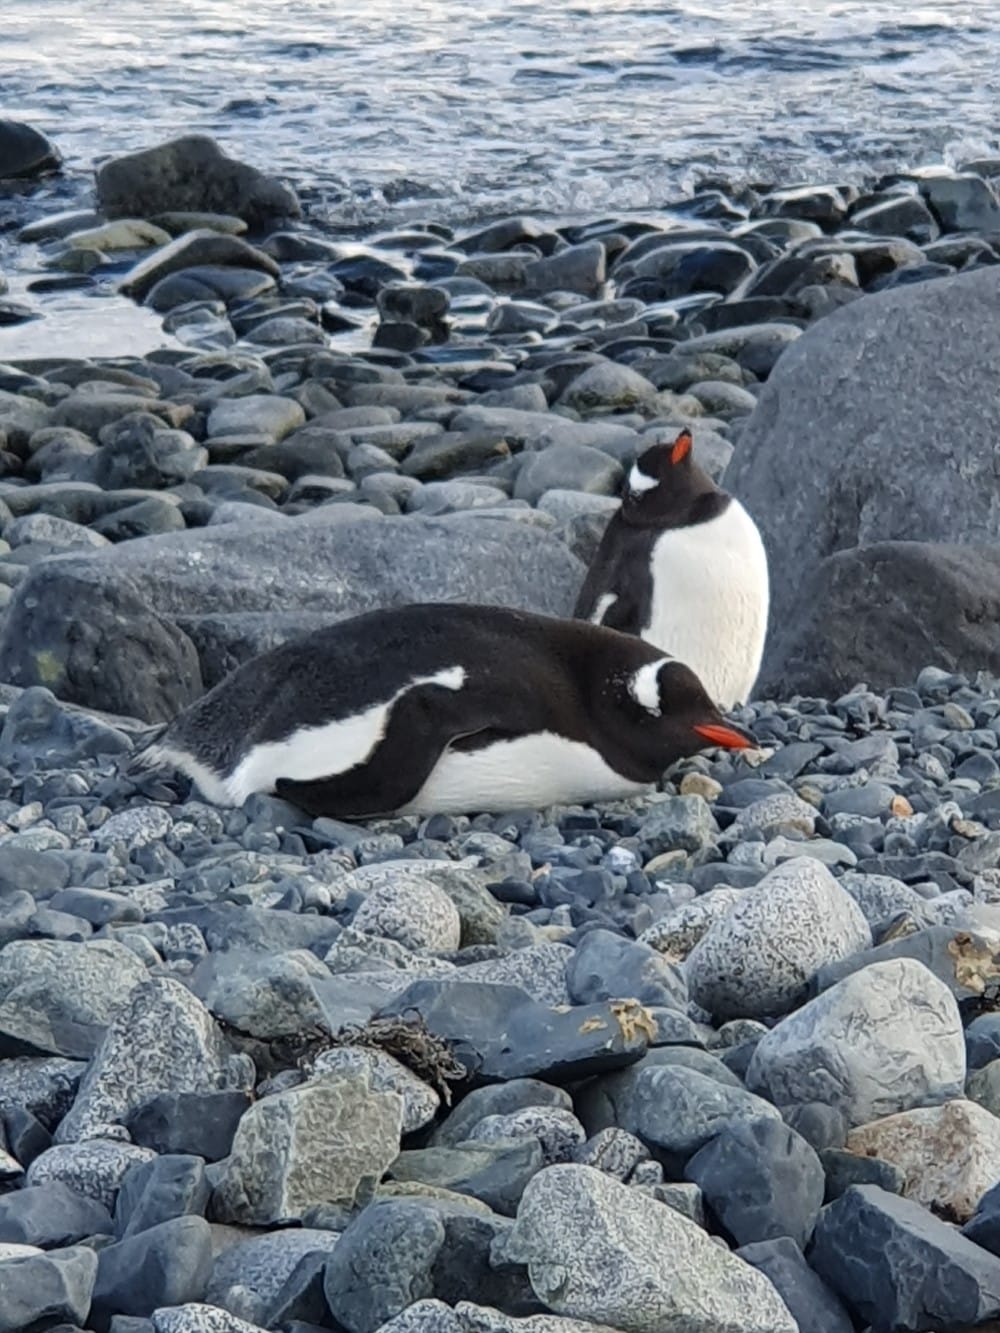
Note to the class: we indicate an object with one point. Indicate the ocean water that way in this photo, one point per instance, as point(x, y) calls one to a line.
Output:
point(457, 109)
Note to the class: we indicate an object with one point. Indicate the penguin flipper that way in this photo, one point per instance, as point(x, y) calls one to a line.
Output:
point(623, 614)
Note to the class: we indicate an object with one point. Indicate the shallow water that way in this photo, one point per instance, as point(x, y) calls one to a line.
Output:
point(462, 108)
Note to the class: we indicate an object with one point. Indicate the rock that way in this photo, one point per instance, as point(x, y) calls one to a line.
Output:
point(499, 1033)
point(955, 958)
point(578, 268)
point(950, 1154)
point(575, 466)
point(761, 1180)
point(233, 596)
point(202, 1123)
point(248, 1275)
point(59, 997)
point(315, 1144)
point(195, 249)
point(599, 1251)
point(930, 601)
point(167, 1265)
point(608, 387)
point(190, 174)
point(962, 201)
point(161, 1040)
point(208, 282)
point(25, 151)
point(484, 1319)
point(416, 913)
point(194, 1317)
point(539, 970)
point(39, 1291)
point(56, 532)
point(605, 966)
point(94, 1168)
point(51, 1216)
point(883, 1040)
point(758, 959)
point(984, 1227)
point(385, 1074)
point(496, 1099)
point(877, 465)
point(558, 1131)
point(902, 215)
point(814, 1307)
point(155, 1192)
point(677, 933)
point(125, 234)
point(868, 1245)
point(495, 1172)
point(43, 1087)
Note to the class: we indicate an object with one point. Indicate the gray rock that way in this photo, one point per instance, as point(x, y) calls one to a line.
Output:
point(867, 1246)
point(675, 935)
point(25, 152)
point(883, 1040)
point(496, 1099)
point(56, 532)
point(815, 1308)
point(190, 174)
point(758, 959)
point(168, 1264)
point(609, 387)
point(962, 201)
point(59, 997)
point(257, 413)
point(539, 970)
point(323, 1142)
point(194, 1317)
point(599, 1251)
point(494, 1172)
point(761, 1180)
point(39, 1291)
point(413, 911)
point(248, 1275)
point(385, 1074)
point(578, 268)
point(951, 955)
point(201, 1123)
point(574, 466)
point(484, 1319)
point(558, 1131)
point(157, 1191)
point(194, 249)
point(881, 897)
point(94, 1168)
point(51, 1216)
point(195, 604)
point(43, 1087)
point(781, 813)
point(606, 966)
point(614, 1151)
point(162, 1040)
point(855, 493)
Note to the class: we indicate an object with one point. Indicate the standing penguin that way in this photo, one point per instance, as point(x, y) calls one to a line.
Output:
point(444, 708)
point(682, 565)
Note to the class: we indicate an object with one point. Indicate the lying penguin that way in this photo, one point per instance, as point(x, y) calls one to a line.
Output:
point(444, 708)
point(682, 565)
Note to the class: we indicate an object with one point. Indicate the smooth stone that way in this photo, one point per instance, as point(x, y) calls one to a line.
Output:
point(494, 1172)
point(575, 466)
point(155, 1192)
point(51, 1216)
point(202, 1123)
point(25, 152)
point(39, 1291)
point(812, 1304)
point(166, 1265)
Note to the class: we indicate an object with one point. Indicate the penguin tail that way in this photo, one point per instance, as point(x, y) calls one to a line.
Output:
point(148, 757)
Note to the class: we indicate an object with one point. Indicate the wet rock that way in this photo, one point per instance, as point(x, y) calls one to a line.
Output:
point(190, 174)
point(194, 249)
point(886, 1039)
point(962, 201)
point(25, 152)
point(761, 1180)
point(900, 215)
point(318, 1143)
point(758, 960)
point(578, 268)
point(596, 1250)
point(867, 1246)
point(950, 1154)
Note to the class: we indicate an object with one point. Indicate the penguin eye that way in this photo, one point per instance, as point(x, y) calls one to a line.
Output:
point(682, 447)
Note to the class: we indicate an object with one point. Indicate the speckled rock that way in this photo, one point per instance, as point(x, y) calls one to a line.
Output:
point(162, 1040)
point(558, 1131)
point(758, 960)
point(883, 1040)
point(385, 1074)
point(599, 1251)
point(315, 1144)
point(950, 1154)
point(676, 934)
point(94, 1168)
point(414, 911)
point(248, 1275)
point(195, 1317)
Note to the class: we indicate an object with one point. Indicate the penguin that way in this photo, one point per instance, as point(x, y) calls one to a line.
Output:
point(444, 708)
point(682, 565)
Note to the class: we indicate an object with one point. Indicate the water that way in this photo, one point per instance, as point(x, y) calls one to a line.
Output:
point(457, 109)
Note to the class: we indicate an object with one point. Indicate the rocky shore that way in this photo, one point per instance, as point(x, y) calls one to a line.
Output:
point(726, 1058)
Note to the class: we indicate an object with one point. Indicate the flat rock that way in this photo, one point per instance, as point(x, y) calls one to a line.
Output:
point(169, 616)
point(51, 1216)
point(599, 1251)
point(40, 1291)
point(883, 1040)
point(758, 959)
point(190, 174)
point(193, 250)
point(869, 1244)
point(950, 1154)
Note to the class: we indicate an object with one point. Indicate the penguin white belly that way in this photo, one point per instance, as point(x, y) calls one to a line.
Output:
point(528, 772)
point(709, 602)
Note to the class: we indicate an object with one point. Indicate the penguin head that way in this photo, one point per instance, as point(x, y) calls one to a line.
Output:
point(676, 714)
point(665, 484)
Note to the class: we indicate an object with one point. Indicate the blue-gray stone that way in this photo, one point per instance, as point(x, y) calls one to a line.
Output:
point(167, 1265)
point(154, 1192)
point(813, 1305)
point(51, 1216)
point(900, 1269)
point(494, 1172)
point(762, 1180)
point(984, 1225)
point(41, 1290)
point(982, 1040)
point(496, 1099)
point(201, 1123)
point(606, 966)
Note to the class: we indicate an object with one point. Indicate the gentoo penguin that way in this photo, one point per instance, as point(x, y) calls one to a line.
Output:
point(444, 708)
point(682, 565)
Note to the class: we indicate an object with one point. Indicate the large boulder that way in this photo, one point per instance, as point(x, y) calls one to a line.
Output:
point(25, 151)
point(142, 628)
point(879, 613)
point(191, 174)
point(877, 425)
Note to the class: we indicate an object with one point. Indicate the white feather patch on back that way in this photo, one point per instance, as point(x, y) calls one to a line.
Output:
point(641, 481)
point(307, 754)
point(604, 604)
point(528, 772)
point(710, 602)
point(644, 686)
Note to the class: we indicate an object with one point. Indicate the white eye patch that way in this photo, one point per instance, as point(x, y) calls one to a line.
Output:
point(644, 686)
point(640, 481)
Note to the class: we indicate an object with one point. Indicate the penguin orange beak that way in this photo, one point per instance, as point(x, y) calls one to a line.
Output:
point(682, 447)
point(726, 737)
